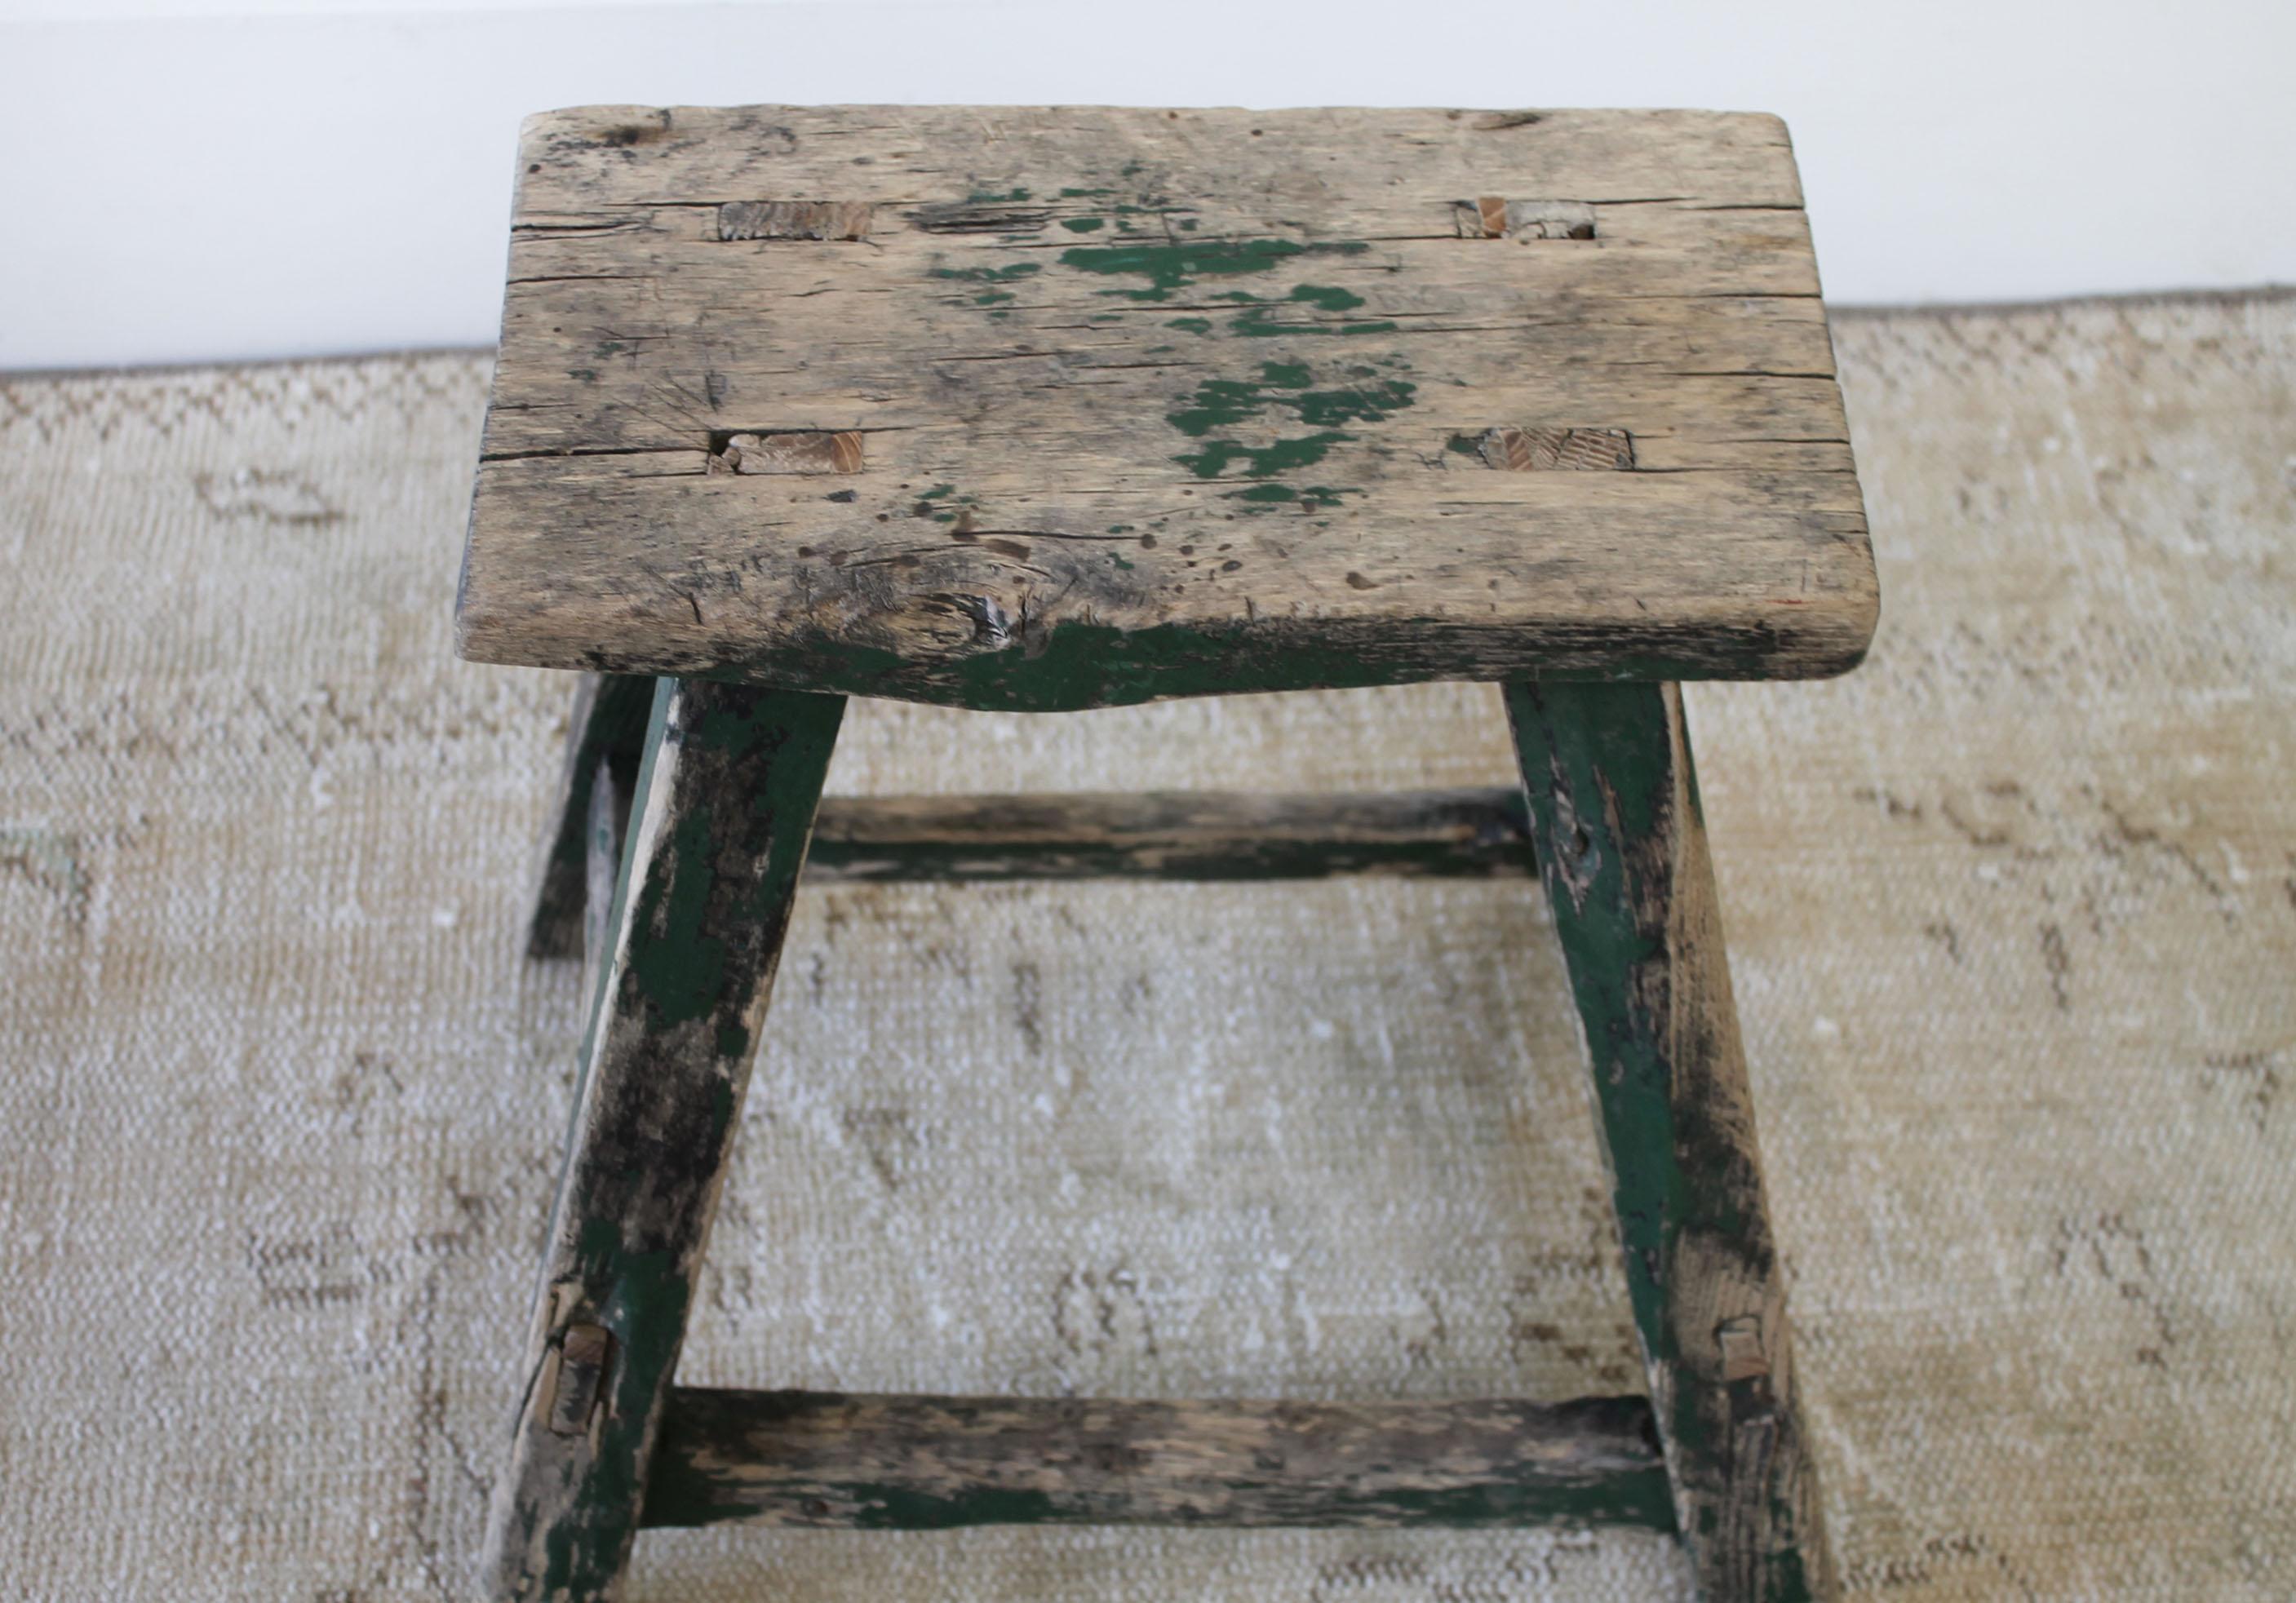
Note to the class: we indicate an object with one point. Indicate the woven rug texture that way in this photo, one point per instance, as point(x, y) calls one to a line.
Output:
point(2011, 914)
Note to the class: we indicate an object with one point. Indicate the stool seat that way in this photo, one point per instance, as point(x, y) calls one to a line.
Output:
point(1052, 408)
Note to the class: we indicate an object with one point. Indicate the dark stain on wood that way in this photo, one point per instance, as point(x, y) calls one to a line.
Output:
point(932, 1463)
point(1476, 833)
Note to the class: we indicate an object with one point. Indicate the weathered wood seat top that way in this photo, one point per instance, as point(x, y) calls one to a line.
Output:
point(1049, 408)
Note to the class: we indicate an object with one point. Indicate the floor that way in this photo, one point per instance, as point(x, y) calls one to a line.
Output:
point(2013, 918)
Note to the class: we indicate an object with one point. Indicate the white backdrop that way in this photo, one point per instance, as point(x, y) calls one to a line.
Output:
point(202, 180)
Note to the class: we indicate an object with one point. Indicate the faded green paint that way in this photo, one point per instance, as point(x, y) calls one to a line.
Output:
point(984, 197)
point(1084, 225)
point(1193, 326)
point(1328, 298)
point(1170, 266)
point(1608, 794)
point(1282, 456)
point(703, 898)
point(1600, 777)
point(1221, 405)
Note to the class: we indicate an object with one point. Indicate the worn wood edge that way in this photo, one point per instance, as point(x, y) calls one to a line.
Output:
point(1621, 840)
point(1078, 666)
point(1468, 832)
point(793, 1458)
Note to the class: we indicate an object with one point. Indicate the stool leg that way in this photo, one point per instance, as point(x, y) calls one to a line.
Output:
point(606, 729)
point(1621, 847)
point(717, 838)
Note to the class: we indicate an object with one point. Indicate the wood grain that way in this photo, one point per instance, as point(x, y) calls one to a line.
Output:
point(929, 1463)
point(1140, 404)
point(1482, 833)
point(716, 842)
point(1622, 848)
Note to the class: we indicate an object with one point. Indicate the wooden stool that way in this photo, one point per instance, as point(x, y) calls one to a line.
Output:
point(1050, 409)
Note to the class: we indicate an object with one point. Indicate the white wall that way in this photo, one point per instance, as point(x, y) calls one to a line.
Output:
point(194, 181)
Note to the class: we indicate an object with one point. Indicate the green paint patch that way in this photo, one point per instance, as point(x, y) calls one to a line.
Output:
point(1464, 444)
point(1170, 266)
point(982, 197)
point(1083, 194)
point(1265, 492)
point(1259, 461)
point(1084, 225)
point(1258, 323)
point(1221, 405)
point(1320, 408)
point(989, 298)
point(1193, 326)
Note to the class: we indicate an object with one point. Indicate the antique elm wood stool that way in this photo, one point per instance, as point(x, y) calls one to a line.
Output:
point(1049, 409)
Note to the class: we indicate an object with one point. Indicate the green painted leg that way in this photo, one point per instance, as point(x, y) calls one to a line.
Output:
point(1621, 846)
point(606, 730)
point(717, 837)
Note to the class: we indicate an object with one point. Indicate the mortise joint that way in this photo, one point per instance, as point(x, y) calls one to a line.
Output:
point(1493, 217)
point(954, 216)
point(1743, 1354)
point(794, 219)
point(1542, 450)
point(786, 451)
point(582, 1354)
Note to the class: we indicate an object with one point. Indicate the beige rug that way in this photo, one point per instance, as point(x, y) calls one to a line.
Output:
point(2012, 914)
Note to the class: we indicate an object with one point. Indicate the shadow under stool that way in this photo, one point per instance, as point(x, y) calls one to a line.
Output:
point(1047, 409)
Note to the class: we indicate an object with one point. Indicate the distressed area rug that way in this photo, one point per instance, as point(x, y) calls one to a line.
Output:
point(2012, 915)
